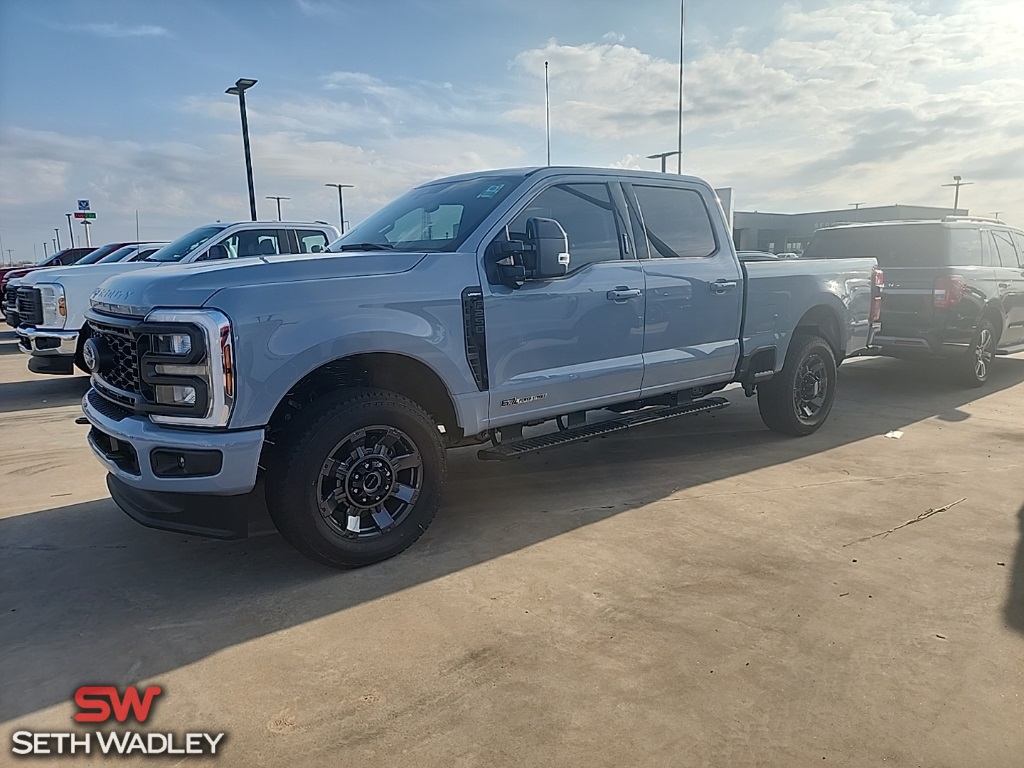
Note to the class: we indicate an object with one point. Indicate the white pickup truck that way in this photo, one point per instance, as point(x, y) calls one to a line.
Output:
point(51, 303)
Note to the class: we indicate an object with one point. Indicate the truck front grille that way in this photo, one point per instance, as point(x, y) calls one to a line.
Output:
point(123, 372)
point(29, 305)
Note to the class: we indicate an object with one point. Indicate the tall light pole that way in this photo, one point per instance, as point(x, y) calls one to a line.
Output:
point(56, 231)
point(664, 156)
point(2, 249)
point(279, 199)
point(956, 195)
point(341, 202)
point(45, 252)
point(238, 89)
point(71, 230)
point(856, 207)
point(547, 111)
point(682, 38)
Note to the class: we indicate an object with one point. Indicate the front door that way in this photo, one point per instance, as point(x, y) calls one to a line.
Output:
point(574, 342)
point(694, 288)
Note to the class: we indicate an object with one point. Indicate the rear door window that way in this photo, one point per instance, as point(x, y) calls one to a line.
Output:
point(1005, 249)
point(311, 241)
point(1018, 239)
point(676, 222)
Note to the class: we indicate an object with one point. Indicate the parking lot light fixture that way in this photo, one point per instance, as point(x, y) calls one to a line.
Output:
point(341, 202)
point(238, 89)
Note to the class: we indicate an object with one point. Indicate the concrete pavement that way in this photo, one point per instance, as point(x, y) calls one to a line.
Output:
point(677, 596)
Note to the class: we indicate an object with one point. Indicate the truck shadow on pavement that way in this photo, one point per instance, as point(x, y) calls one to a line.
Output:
point(39, 392)
point(88, 596)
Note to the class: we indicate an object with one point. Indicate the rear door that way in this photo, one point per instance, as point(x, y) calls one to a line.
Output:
point(1010, 284)
point(694, 288)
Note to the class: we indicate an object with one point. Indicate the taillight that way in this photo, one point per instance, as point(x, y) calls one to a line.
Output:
point(877, 281)
point(948, 291)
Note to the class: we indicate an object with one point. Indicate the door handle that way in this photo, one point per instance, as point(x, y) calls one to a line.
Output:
point(1004, 285)
point(722, 286)
point(622, 292)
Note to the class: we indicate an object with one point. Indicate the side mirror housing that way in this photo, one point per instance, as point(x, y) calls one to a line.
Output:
point(550, 248)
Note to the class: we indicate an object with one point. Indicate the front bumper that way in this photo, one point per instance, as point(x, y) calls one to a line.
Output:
point(47, 343)
point(124, 443)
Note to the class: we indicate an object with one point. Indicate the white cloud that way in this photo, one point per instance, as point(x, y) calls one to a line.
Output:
point(110, 29)
point(876, 100)
point(613, 37)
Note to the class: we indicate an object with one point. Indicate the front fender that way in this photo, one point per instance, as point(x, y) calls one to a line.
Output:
point(309, 324)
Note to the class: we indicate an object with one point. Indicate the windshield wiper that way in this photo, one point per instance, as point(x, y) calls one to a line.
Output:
point(364, 247)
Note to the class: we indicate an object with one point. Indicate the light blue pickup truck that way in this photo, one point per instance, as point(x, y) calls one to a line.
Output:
point(331, 385)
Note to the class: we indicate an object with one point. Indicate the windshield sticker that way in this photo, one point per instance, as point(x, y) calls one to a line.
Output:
point(491, 191)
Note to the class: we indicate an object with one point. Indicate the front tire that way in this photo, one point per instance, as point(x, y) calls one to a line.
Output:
point(798, 399)
point(356, 478)
point(976, 366)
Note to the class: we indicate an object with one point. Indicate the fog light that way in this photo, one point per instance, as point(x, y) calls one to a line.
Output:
point(169, 462)
point(175, 395)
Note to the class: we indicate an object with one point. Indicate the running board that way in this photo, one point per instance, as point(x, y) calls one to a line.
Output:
point(517, 448)
point(1010, 350)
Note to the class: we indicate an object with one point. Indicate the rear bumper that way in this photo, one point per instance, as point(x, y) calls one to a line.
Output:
point(923, 345)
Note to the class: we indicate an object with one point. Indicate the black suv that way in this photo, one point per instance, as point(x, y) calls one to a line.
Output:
point(953, 288)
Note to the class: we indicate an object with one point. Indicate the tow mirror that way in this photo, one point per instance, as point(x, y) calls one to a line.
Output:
point(550, 249)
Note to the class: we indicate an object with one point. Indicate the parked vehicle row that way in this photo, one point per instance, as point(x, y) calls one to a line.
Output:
point(459, 314)
point(48, 306)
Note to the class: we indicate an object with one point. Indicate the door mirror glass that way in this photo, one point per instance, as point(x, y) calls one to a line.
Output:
point(549, 254)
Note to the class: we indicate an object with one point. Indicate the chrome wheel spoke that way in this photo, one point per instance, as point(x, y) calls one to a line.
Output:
point(354, 523)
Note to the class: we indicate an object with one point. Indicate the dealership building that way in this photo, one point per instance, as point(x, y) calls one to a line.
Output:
point(790, 232)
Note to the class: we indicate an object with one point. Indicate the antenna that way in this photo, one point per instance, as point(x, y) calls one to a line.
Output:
point(137, 238)
point(547, 110)
point(682, 37)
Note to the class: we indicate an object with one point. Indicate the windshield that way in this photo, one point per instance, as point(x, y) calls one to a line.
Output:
point(118, 255)
point(437, 217)
point(96, 256)
point(185, 244)
point(906, 245)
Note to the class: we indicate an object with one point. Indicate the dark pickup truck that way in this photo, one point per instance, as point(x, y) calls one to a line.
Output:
point(953, 288)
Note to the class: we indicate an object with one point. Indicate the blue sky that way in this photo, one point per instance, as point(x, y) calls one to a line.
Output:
point(798, 105)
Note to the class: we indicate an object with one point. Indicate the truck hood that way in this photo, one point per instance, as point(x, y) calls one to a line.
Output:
point(192, 285)
point(93, 273)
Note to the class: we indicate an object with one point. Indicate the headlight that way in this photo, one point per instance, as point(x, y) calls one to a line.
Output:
point(55, 312)
point(201, 382)
point(172, 344)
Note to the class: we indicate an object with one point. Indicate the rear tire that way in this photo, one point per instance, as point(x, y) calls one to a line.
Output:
point(975, 367)
point(798, 399)
point(356, 478)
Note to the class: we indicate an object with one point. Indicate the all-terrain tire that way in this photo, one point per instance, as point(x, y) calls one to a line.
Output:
point(798, 399)
point(345, 452)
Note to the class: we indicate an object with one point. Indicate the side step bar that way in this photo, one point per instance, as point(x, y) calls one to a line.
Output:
point(517, 448)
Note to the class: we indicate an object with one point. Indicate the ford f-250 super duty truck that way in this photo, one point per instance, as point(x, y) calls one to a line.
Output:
point(465, 310)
